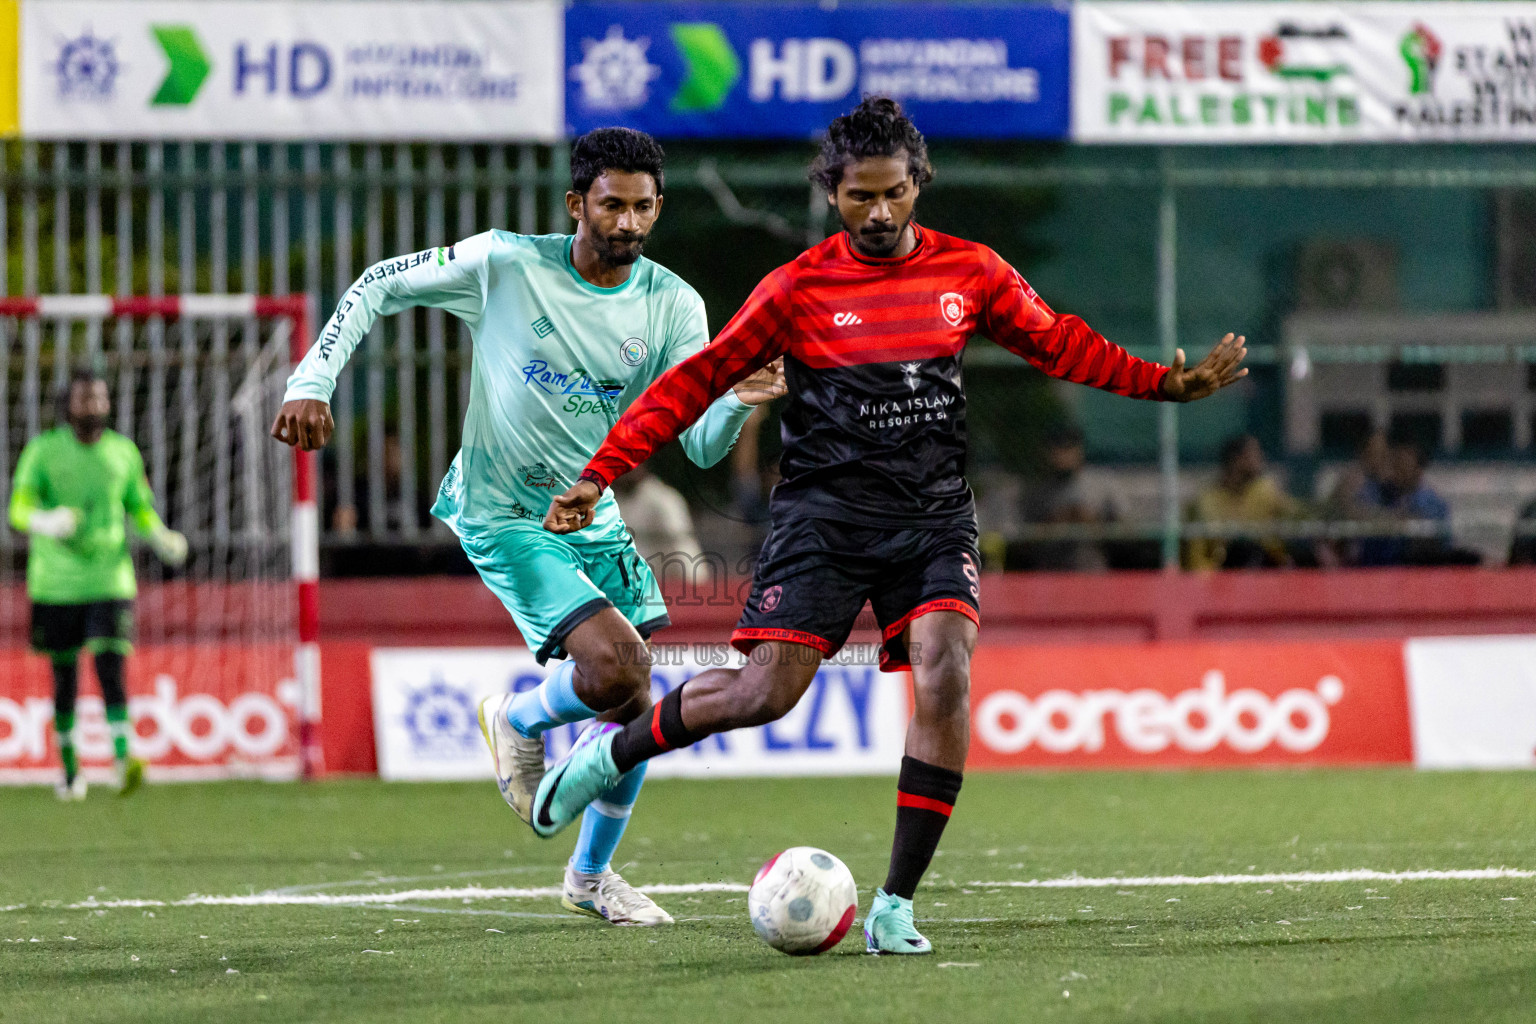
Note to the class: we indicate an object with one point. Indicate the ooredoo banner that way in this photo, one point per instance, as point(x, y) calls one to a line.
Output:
point(852, 721)
point(1303, 72)
point(783, 70)
point(1189, 705)
point(292, 70)
point(199, 712)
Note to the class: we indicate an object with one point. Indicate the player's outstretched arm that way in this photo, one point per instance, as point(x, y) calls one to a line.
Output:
point(451, 278)
point(1221, 367)
point(304, 423)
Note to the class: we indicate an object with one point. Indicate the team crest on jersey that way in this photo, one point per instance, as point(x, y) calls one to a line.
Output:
point(770, 599)
point(952, 308)
point(633, 351)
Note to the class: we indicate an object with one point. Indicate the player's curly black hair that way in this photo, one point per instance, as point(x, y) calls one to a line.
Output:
point(614, 149)
point(876, 127)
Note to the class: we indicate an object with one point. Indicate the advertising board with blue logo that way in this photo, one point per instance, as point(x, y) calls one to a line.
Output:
point(357, 69)
point(852, 721)
point(777, 70)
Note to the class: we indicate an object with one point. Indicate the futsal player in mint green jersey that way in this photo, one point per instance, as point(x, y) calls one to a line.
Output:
point(568, 331)
point(76, 487)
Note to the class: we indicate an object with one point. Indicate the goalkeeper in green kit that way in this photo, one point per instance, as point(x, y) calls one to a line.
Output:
point(75, 486)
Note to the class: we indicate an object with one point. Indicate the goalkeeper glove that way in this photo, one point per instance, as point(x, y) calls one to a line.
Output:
point(54, 523)
point(169, 546)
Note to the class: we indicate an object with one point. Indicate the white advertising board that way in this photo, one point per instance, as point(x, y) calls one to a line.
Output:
point(1472, 701)
point(352, 69)
point(1303, 72)
point(852, 721)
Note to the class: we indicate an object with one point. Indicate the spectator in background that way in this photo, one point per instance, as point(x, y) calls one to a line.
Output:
point(1407, 497)
point(1243, 493)
point(1523, 550)
point(1359, 494)
point(658, 519)
point(1063, 496)
point(1359, 491)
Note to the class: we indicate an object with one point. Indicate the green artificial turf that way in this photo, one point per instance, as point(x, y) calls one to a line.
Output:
point(1439, 950)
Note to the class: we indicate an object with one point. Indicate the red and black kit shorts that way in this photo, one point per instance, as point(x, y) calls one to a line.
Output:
point(814, 575)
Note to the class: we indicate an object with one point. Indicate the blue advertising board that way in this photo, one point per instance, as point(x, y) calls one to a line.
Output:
point(777, 70)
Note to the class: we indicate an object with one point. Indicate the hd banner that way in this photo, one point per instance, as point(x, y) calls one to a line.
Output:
point(1303, 72)
point(852, 720)
point(353, 69)
point(783, 70)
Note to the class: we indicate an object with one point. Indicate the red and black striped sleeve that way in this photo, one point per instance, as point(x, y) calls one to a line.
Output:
point(1062, 346)
point(756, 336)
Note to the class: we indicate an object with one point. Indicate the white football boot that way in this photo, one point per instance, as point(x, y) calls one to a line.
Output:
point(519, 759)
point(70, 791)
point(611, 898)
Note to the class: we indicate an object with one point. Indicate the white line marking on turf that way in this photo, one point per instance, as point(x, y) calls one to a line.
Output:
point(322, 899)
point(1354, 875)
point(286, 898)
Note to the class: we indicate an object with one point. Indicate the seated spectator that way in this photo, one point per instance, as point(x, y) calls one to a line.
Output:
point(1063, 495)
point(1242, 494)
point(1523, 550)
point(1358, 494)
point(658, 518)
point(1408, 498)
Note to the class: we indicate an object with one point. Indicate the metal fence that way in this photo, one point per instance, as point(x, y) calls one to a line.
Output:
point(167, 217)
point(180, 217)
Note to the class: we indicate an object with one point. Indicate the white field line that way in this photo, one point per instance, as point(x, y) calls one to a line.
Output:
point(466, 894)
point(1277, 878)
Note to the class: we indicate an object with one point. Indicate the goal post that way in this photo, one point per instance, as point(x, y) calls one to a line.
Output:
point(226, 677)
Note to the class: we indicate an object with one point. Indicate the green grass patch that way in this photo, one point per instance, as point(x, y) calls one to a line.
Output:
point(1336, 951)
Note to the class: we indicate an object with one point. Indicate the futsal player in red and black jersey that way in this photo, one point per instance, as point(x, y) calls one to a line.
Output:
point(873, 505)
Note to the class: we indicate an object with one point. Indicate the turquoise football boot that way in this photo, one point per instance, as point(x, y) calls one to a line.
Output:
point(889, 927)
point(585, 774)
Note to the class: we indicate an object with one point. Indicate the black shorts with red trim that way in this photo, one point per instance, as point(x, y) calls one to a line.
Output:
point(814, 575)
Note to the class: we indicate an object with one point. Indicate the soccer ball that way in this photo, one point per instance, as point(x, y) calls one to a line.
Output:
point(802, 901)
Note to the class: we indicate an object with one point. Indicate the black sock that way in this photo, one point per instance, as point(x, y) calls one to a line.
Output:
point(656, 733)
point(925, 796)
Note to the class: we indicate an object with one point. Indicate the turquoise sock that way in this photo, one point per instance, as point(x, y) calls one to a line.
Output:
point(553, 702)
point(604, 821)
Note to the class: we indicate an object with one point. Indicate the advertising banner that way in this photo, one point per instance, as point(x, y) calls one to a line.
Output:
point(350, 69)
point(200, 711)
point(1303, 72)
point(1188, 705)
point(783, 70)
point(1473, 701)
point(852, 721)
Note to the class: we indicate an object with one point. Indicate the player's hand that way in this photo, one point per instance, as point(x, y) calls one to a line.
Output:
point(54, 523)
point(305, 423)
point(572, 510)
point(1210, 375)
point(169, 546)
point(763, 386)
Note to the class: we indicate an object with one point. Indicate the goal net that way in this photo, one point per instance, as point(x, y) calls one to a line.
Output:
point(224, 677)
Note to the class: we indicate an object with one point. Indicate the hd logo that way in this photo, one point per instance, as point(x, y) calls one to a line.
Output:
point(616, 73)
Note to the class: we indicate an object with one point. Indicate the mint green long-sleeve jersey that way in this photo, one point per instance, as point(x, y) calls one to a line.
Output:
point(556, 361)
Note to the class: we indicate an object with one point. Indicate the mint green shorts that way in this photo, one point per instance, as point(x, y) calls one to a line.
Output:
point(552, 586)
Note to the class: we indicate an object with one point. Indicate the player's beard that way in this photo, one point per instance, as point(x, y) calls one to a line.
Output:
point(618, 250)
point(879, 244)
point(88, 428)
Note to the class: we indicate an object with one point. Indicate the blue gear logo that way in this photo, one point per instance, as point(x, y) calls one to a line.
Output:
point(87, 68)
point(442, 720)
